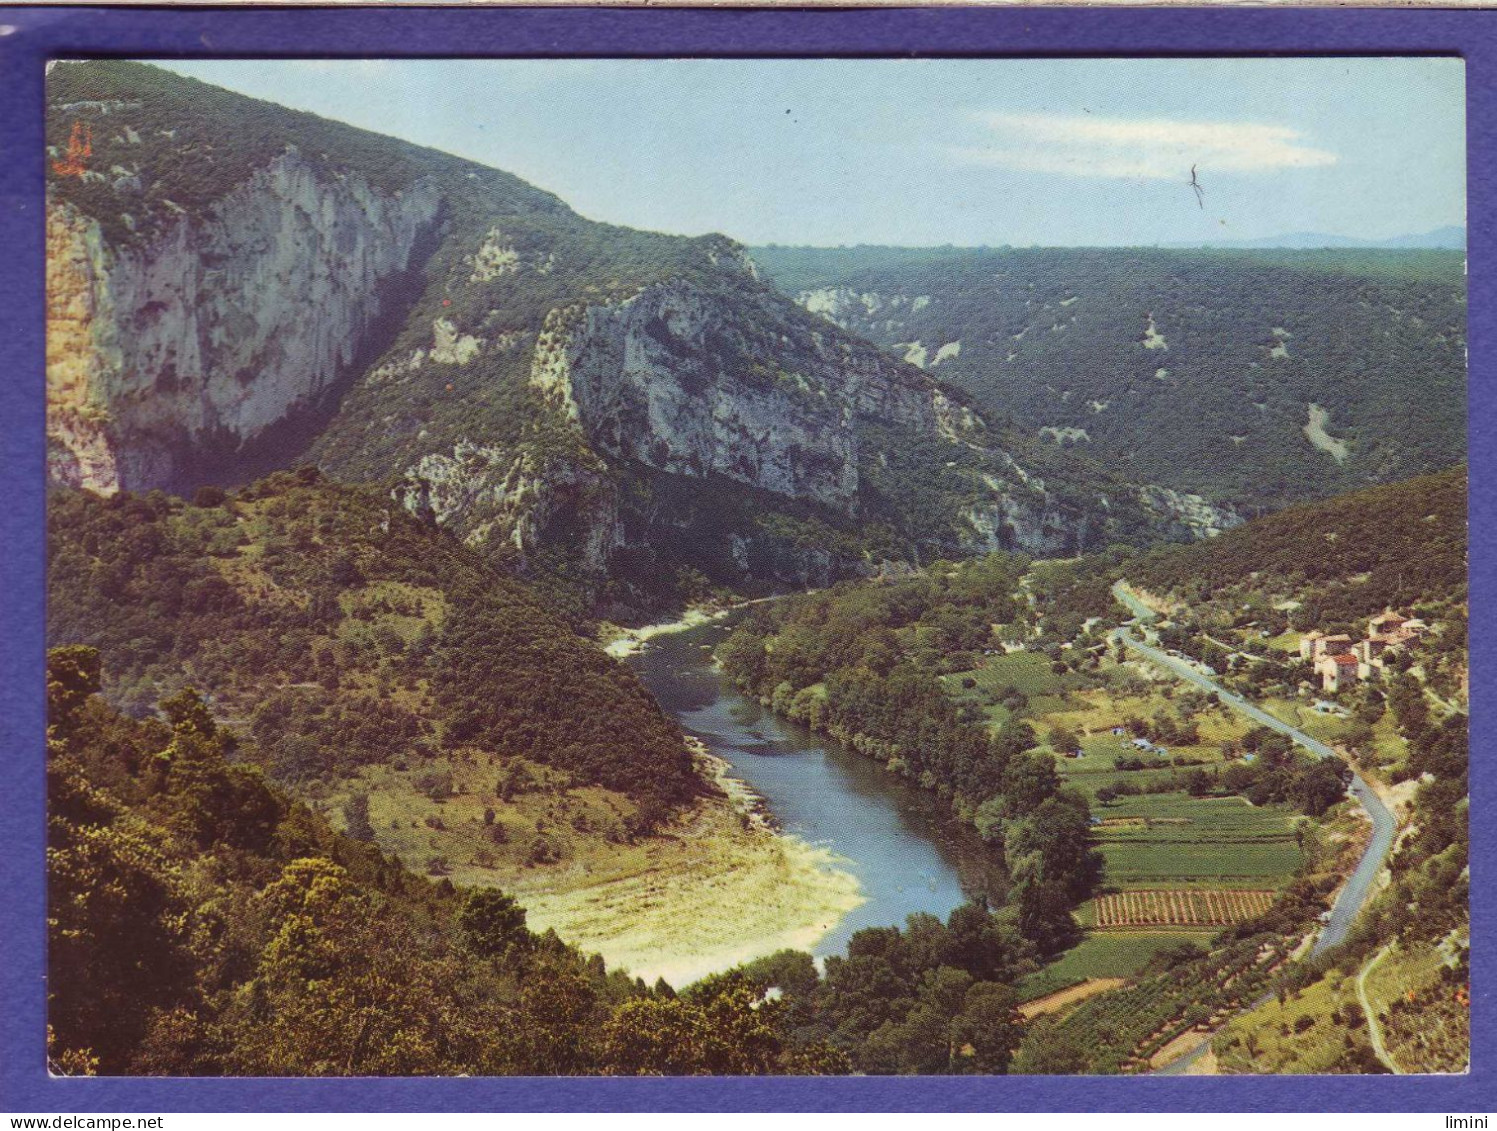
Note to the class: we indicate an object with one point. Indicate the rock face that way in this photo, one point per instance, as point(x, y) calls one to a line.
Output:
point(498, 496)
point(679, 379)
point(219, 329)
point(1192, 515)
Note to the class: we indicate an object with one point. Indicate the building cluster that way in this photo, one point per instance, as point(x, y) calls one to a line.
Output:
point(1340, 661)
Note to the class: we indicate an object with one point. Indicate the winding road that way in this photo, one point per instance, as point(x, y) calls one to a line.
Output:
point(1355, 893)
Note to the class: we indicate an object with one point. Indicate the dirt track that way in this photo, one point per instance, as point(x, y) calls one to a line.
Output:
point(1052, 1003)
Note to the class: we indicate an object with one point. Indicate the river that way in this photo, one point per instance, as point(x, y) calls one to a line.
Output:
point(893, 837)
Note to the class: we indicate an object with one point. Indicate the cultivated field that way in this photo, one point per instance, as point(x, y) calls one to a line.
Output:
point(1180, 907)
point(1172, 840)
point(1062, 1000)
point(1107, 956)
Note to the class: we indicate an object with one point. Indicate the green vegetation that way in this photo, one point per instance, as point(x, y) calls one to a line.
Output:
point(1188, 795)
point(1321, 1029)
point(931, 998)
point(1343, 560)
point(1180, 989)
point(862, 663)
point(1244, 342)
point(1329, 566)
point(204, 924)
point(1108, 954)
point(1420, 995)
point(1181, 840)
point(340, 632)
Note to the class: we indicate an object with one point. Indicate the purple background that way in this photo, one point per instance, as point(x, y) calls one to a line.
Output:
point(40, 33)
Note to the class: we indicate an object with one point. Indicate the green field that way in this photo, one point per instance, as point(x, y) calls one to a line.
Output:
point(1204, 842)
point(1221, 818)
point(1391, 747)
point(1089, 783)
point(1212, 865)
point(1188, 842)
point(1028, 672)
point(1109, 954)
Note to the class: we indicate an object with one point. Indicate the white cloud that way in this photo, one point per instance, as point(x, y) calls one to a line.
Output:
point(1089, 145)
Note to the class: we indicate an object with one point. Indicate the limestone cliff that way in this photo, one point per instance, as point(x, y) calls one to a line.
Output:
point(1193, 516)
point(494, 496)
point(694, 382)
point(219, 328)
point(714, 379)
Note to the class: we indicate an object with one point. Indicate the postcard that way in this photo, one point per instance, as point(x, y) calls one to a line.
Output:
point(758, 567)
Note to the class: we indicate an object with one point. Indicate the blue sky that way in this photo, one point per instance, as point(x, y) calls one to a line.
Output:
point(1056, 152)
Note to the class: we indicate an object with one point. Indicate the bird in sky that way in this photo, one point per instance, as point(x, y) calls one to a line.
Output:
point(1200, 192)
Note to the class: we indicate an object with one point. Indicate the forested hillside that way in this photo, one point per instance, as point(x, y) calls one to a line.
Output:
point(338, 631)
point(205, 924)
point(1352, 556)
point(1255, 377)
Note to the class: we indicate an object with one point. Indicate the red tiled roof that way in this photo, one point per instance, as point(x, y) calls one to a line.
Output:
point(1343, 660)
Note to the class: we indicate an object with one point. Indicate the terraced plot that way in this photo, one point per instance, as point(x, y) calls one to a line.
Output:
point(1173, 841)
point(1180, 907)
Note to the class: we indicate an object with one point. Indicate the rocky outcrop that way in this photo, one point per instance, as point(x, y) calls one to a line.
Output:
point(222, 327)
point(1194, 516)
point(696, 382)
point(863, 312)
point(495, 496)
point(1023, 522)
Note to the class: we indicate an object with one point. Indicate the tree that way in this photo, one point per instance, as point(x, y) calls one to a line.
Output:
point(1319, 786)
point(988, 1030)
point(74, 673)
point(1046, 1052)
point(1045, 916)
point(117, 926)
point(356, 817)
point(492, 922)
point(1406, 698)
point(1064, 739)
point(725, 1030)
point(1028, 780)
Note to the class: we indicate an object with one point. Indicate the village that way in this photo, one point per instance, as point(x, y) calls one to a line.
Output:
point(1340, 663)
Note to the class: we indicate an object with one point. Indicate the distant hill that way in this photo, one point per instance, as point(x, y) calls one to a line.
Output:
point(1449, 238)
point(1253, 377)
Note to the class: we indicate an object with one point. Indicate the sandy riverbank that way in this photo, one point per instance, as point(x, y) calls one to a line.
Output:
point(718, 887)
point(627, 641)
point(631, 640)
